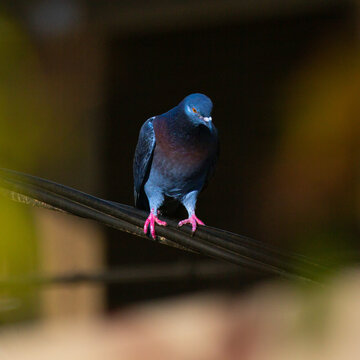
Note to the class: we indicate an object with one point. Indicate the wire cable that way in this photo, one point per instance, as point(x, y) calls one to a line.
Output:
point(216, 243)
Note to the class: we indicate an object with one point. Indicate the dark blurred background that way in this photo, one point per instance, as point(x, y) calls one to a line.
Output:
point(80, 78)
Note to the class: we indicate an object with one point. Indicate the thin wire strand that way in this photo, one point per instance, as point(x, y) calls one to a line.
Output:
point(133, 274)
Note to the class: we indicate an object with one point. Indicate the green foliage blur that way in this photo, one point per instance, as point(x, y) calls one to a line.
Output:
point(18, 259)
point(21, 132)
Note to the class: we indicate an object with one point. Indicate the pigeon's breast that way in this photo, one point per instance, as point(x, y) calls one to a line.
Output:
point(181, 159)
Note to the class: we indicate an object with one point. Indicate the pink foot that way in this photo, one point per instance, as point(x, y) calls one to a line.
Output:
point(152, 219)
point(193, 220)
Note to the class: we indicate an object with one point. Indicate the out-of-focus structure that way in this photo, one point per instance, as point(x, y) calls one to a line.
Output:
point(80, 77)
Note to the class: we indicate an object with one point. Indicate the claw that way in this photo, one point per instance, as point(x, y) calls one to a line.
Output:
point(193, 220)
point(151, 220)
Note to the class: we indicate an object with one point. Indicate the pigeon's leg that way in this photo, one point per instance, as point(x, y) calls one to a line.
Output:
point(189, 201)
point(155, 200)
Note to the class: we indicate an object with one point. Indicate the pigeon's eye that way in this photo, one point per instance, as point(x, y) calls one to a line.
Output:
point(194, 110)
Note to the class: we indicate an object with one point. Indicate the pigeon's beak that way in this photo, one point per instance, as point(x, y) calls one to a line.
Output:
point(206, 120)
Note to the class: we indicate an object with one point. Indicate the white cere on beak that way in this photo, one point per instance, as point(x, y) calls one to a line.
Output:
point(207, 119)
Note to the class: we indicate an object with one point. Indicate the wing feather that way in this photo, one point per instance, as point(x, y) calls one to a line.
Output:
point(142, 161)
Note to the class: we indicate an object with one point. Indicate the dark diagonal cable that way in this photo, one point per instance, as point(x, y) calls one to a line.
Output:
point(208, 241)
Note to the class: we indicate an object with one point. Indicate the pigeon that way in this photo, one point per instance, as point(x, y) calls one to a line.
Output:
point(174, 158)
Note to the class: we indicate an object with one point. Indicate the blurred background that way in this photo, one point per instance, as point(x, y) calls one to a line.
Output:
point(78, 79)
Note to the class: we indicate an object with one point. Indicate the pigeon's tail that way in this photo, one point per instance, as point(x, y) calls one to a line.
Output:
point(141, 200)
point(173, 208)
point(170, 206)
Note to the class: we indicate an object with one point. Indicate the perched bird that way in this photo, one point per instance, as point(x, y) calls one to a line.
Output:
point(174, 158)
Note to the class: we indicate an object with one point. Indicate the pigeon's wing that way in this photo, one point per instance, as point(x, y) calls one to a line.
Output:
point(142, 161)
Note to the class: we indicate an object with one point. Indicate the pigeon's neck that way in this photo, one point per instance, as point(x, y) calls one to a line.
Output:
point(178, 138)
point(181, 126)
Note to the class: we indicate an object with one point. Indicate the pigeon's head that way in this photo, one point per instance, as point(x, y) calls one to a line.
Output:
point(198, 109)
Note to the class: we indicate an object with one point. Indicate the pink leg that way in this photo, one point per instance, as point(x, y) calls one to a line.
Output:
point(193, 220)
point(151, 220)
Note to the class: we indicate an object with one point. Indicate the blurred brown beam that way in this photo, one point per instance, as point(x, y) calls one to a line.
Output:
point(154, 15)
point(133, 274)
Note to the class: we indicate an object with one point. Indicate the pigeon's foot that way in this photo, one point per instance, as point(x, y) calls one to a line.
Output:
point(151, 220)
point(193, 220)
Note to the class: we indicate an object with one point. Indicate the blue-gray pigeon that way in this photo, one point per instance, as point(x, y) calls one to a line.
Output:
point(174, 158)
